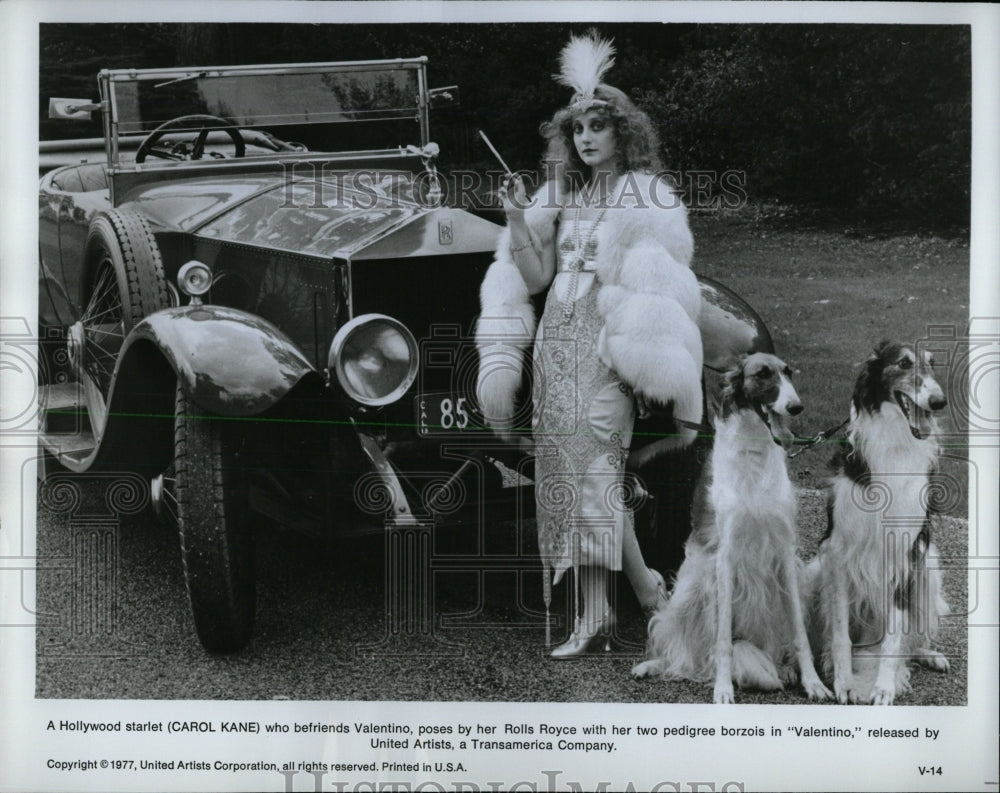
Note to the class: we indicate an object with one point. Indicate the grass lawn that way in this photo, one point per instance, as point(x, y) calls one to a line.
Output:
point(829, 296)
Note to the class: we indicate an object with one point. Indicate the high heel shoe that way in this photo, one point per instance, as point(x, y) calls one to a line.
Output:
point(586, 640)
point(661, 595)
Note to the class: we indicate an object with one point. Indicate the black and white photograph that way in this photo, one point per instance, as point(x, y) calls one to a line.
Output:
point(497, 396)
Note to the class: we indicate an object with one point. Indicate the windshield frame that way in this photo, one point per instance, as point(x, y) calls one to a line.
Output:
point(110, 79)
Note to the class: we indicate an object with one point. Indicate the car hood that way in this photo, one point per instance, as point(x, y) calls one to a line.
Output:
point(356, 215)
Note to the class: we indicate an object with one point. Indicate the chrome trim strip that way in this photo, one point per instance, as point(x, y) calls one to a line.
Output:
point(348, 283)
point(263, 69)
point(275, 159)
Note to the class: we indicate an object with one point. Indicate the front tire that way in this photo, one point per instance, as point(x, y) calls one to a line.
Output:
point(125, 283)
point(216, 537)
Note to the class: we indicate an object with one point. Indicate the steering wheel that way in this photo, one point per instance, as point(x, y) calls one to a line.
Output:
point(180, 150)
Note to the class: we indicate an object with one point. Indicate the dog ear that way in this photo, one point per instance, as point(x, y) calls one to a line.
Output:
point(862, 384)
point(867, 388)
point(732, 389)
point(880, 349)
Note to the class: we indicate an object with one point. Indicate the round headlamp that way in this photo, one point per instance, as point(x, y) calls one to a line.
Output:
point(194, 278)
point(375, 358)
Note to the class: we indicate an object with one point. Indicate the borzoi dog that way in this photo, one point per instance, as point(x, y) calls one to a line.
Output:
point(876, 584)
point(734, 612)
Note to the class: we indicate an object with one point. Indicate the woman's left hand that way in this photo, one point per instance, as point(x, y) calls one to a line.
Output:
point(645, 407)
point(641, 408)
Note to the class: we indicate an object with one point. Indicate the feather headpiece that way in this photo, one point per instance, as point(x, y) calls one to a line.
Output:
point(583, 63)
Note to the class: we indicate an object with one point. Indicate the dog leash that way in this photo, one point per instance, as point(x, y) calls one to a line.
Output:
point(808, 443)
point(805, 443)
point(701, 429)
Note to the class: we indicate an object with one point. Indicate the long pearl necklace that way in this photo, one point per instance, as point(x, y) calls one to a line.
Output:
point(580, 259)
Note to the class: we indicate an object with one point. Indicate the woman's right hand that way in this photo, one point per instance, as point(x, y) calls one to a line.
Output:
point(537, 267)
point(513, 197)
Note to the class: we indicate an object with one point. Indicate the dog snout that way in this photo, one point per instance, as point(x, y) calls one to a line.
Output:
point(934, 395)
point(794, 408)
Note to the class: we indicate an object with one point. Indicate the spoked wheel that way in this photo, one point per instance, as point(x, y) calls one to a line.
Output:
point(126, 284)
point(203, 492)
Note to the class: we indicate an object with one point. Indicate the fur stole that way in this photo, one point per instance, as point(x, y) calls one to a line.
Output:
point(649, 301)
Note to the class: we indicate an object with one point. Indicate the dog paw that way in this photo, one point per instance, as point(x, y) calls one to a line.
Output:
point(815, 689)
point(932, 660)
point(723, 694)
point(845, 691)
point(645, 669)
point(789, 674)
point(882, 696)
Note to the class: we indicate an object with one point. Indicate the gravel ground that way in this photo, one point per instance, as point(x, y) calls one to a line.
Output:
point(323, 633)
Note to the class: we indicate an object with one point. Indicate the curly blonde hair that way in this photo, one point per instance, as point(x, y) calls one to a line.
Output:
point(636, 142)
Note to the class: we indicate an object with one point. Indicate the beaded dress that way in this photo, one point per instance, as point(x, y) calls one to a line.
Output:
point(582, 418)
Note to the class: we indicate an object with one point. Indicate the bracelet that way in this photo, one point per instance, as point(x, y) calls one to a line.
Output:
point(520, 248)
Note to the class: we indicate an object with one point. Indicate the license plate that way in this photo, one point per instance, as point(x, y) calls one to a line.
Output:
point(444, 413)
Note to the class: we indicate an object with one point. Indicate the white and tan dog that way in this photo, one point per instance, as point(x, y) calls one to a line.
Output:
point(877, 590)
point(735, 613)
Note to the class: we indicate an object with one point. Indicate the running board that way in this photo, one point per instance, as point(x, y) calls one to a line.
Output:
point(67, 447)
point(62, 396)
point(65, 430)
point(65, 409)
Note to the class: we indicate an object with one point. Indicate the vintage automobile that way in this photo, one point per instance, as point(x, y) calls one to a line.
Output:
point(253, 295)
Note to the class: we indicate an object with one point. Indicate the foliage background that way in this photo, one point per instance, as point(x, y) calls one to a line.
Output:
point(859, 123)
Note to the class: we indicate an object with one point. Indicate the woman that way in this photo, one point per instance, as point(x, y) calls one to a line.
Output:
point(608, 238)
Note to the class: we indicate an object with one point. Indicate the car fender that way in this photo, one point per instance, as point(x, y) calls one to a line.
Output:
point(228, 362)
point(729, 326)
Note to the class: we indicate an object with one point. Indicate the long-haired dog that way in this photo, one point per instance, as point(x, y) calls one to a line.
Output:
point(735, 614)
point(876, 586)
